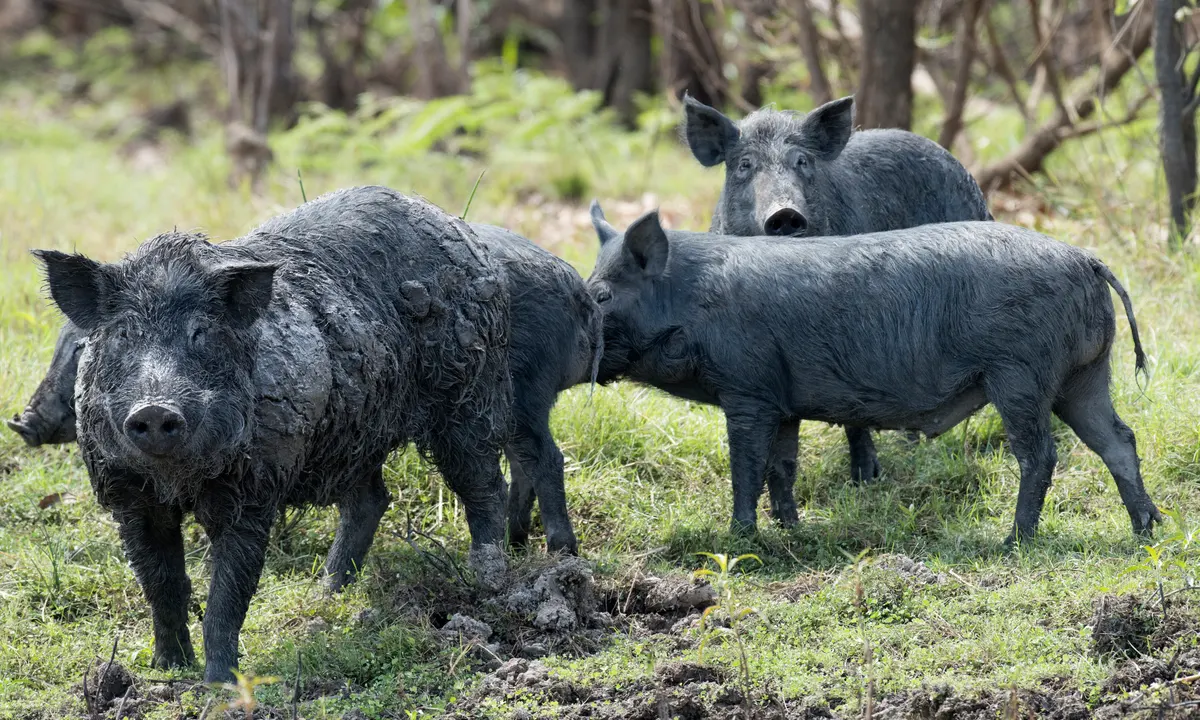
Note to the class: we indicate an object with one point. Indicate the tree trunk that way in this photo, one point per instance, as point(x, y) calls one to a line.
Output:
point(253, 60)
point(818, 82)
point(623, 57)
point(1177, 117)
point(690, 58)
point(436, 77)
point(889, 50)
point(577, 28)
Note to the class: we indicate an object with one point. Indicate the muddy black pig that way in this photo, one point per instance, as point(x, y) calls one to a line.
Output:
point(49, 418)
point(910, 329)
point(554, 343)
point(280, 369)
point(797, 174)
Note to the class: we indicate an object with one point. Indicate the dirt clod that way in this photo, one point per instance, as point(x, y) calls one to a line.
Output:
point(490, 566)
point(681, 673)
point(467, 629)
point(1122, 625)
point(108, 683)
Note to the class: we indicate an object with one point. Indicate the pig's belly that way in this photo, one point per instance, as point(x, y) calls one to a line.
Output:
point(934, 422)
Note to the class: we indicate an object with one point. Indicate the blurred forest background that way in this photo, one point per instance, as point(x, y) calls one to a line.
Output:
point(1060, 69)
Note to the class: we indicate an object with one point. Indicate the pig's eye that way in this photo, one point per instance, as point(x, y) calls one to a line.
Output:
point(801, 161)
point(603, 295)
point(198, 336)
point(744, 166)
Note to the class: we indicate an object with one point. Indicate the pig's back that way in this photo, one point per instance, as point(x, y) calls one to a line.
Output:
point(926, 308)
point(556, 326)
point(413, 315)
point(901, 179)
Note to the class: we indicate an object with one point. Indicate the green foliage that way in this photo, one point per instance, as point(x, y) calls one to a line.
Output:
point(728, 604)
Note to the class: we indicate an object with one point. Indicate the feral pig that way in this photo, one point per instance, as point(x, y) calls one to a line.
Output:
point(280, 369)
point(554, 344)
point(49, 418)
point(910, 330)
point(799, 174)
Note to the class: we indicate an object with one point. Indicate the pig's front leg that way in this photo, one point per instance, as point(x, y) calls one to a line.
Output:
point(864, 463)
point(752, 428)
point(237, 561)
point(154, 545)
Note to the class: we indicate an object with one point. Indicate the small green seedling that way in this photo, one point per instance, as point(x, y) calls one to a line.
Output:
point(730, 603)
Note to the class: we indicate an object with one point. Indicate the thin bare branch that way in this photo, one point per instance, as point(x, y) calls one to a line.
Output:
point(962, 79)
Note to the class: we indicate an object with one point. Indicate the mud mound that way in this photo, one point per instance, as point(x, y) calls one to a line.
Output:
point(684, 691)
point(1122, 625)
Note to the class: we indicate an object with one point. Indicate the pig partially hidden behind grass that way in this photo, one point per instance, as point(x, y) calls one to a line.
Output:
point(911, 330)
point(281, 369)
point(554, 344)
point(796, 174)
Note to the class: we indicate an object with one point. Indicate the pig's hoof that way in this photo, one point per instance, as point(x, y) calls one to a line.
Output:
point(518, 538)
point(568, 545)
point(175, 657)
point(1144, 520)
point(1018, 536)
point(787, 517)
point(490, 566)
point(865, 471)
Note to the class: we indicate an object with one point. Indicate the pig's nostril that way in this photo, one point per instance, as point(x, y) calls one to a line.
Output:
point(155, 429)
point(786, 222)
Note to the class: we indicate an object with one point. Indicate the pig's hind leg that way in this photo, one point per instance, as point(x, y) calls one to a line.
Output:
point(1086, 406)
point(359, 514)
point(536, 464)
point(781, 473)
point(1025, 410)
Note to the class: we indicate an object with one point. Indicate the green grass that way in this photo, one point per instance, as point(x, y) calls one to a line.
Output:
point(647, 475)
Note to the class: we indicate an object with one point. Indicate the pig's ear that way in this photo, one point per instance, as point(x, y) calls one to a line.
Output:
point(79, 286)
point(709, 133)
point(826, 130)
point(604, 231)
point(646, 244)
point(246, 290)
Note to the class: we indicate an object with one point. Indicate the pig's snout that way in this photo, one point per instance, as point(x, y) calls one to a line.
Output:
point(786, 221)
point(156, 429)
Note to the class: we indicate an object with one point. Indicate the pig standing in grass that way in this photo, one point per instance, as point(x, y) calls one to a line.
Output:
point(911, 330)
point(554, 343)
point(792, 174)
point(281, 369)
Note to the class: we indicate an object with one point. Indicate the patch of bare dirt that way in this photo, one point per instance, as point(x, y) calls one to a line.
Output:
point(1122, 625)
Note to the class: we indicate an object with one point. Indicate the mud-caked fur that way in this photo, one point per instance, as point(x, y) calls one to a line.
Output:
point(554, 344)
point(910, 330)
point(810, 174)
point(280, 369)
